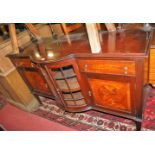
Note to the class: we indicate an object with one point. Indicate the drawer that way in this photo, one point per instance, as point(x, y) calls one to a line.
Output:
point(107, 66)
point(23, 62)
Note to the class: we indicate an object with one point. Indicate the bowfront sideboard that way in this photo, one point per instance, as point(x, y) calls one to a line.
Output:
point(114, 81)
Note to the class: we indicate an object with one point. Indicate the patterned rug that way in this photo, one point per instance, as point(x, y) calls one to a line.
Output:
point(93, 120)
point(96, 121)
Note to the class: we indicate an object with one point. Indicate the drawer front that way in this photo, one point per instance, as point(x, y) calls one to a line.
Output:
point(107, 66)
point(24, 62)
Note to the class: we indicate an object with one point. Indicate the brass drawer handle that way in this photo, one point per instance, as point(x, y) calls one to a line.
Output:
point(85, 67)
point(126, 70)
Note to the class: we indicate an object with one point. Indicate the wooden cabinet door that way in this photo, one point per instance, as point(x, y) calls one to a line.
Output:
point(36, 81)
point(35, 77)
point(112, 92)
point(69, 85)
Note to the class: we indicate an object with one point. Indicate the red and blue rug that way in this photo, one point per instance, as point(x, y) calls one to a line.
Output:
point(93, 120)
point(96, 121)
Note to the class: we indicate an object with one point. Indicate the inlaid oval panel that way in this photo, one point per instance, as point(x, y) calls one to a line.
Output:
point(111, 94)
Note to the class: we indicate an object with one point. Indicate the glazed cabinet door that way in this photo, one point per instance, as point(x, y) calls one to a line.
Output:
point(69, 85)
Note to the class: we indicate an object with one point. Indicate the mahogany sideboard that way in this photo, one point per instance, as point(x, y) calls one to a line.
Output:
point(113, 81)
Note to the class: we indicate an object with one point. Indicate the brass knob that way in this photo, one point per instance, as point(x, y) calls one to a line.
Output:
point(85, 67)
point(126, 70)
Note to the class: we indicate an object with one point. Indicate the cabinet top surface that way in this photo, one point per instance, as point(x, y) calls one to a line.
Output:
point(133, 42)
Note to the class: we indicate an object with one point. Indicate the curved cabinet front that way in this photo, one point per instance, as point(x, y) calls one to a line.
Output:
point(69, 85)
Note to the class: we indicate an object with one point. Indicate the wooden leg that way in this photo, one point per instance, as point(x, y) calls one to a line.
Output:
point(4, 31)
point(33, 30)
point(138, 125)
point(36, 33)
point(93, 37)
point(110, 27)
point(13, 36)
point(98, 25)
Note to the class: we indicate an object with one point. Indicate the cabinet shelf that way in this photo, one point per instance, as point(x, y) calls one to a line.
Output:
point(68, 99)
point(76, 103)
point(71, 90)
point(68, 84)
point(65, 77)
point(73, 97)
point(64, 73)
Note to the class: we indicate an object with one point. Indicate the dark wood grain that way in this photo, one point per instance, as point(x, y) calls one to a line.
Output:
point(111, 81)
